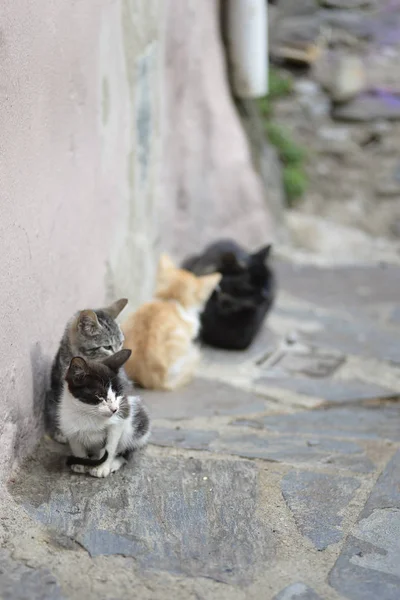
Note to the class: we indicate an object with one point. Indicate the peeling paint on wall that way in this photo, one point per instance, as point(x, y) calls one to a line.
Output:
point(131, 268)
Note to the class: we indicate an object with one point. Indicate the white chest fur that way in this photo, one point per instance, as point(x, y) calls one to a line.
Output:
point(81, 421)
point(190, 316)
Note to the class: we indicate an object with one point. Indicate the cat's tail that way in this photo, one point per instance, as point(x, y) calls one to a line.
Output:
point(141, 422)
point(87, 462)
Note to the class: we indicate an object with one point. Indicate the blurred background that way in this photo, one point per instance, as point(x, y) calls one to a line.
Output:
point(332, 116)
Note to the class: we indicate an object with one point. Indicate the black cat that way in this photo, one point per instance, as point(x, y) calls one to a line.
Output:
point(234, 313)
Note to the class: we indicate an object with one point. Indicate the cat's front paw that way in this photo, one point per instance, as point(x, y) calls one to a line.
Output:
point(102, 471)
point(78, 468)
point(108, 467)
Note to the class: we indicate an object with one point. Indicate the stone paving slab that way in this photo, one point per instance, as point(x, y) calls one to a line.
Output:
point(350, 333)
point(354, 422)
point(355, 581)
point(341, 287)
point(297, 591)
point(194, 439)
point(202, 397)
point(386, 492)
point(330, 390)
point(369, 565)
point(190, 517)
point(312, 363)
point(358, 337)
point(264, 343)
point(395, 316)
point(18, 582)
point(347, 298)
point(282, 448)
point(317, 502)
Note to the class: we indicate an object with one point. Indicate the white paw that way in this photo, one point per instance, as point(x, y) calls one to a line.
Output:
point(60, 438)
point(102, 471)
point(78, 468)
point(117, 463)
point(108, 467)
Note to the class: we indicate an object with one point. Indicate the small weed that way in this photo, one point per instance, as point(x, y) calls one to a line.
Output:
point(290, 153)
point(264, 106)
point(279, 85)
point(294, 183)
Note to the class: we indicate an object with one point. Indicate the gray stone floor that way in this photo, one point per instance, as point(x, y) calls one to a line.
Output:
point(274, 475)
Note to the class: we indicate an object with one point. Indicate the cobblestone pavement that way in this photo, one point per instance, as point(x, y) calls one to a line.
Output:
point(275, 475)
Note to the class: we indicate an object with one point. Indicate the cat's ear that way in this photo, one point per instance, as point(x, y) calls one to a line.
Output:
point(230, 262)
point(166, 266)
point(189, 263)
point(118, 359)
point(116, 307)
point(165, 263)
point(78, 369)
point(207, 284)
point(262, 255)
point(88, 322)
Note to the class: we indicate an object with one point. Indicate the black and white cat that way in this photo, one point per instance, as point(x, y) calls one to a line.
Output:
point(236, 310)
point(92, 334)
point(102, 422)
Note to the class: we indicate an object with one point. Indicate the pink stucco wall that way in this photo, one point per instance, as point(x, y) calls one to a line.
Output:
point(210, 185)
point(67, 172)
point(85, 202)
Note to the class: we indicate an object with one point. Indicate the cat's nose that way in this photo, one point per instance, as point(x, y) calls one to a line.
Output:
point(114, 410)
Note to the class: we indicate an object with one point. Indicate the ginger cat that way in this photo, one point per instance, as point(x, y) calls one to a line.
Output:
point(161, 333)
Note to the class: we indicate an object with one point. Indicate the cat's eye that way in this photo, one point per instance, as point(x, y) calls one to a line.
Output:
point(107, 347)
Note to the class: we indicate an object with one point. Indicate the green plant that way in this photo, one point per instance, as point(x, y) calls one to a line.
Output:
point(290, 153)
point(294, 183)
point(264, 106)
point(279, 85)
point(276, 134)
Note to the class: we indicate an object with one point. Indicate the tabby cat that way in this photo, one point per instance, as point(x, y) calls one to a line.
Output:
point(92, 334)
